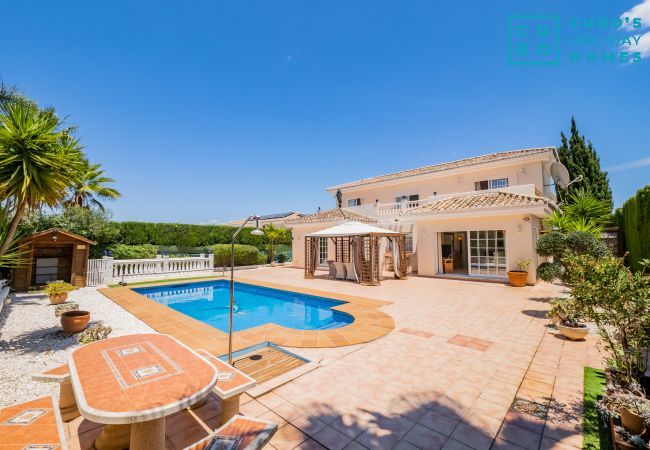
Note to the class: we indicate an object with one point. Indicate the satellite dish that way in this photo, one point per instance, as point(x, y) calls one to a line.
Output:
point(560, 174)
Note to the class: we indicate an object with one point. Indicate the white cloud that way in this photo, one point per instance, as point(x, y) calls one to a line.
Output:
point(643, 46)
point(642, 11)
point(629, 165)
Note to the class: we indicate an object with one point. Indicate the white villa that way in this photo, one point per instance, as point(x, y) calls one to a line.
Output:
point(473, 217)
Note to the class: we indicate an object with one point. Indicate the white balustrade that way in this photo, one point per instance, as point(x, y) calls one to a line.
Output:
point(108, 270)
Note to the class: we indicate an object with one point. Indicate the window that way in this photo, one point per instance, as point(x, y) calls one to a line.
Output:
point(354, 202)
point(322, 251)
point(409, 243)
point(488, 253)
point(407, 198)
point(490, 184)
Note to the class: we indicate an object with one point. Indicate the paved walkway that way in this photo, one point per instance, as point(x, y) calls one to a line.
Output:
point(446, 377)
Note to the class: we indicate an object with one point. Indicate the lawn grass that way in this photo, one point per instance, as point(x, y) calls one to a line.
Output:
point(595, 434)
point(168, 280)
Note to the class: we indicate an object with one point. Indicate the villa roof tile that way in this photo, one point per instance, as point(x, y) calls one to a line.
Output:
point(500, 156)
point(478, 201)
point(331, 215)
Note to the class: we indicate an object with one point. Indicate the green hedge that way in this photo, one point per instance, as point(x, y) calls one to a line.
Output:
point(123, 251)
point(634, 218)
point(186, 235)
point(245, 255)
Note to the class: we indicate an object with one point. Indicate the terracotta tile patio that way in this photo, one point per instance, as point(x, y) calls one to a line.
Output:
point(460, 353)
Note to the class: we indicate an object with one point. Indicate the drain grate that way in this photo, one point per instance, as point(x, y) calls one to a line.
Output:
point(528, 407)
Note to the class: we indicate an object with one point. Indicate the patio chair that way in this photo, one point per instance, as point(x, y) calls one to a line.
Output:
point(340, 270)
point(239, 433)
point(31, 425)
point(67, 400)
point(349, 272)
point(332, 268)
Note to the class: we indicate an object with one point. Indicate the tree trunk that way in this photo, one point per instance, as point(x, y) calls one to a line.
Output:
point(13, 226)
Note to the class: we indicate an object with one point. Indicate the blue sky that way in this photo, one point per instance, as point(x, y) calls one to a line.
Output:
point(209, 111)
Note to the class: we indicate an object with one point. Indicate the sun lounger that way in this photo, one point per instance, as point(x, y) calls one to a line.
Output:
point(239, 433)
point(67, 401)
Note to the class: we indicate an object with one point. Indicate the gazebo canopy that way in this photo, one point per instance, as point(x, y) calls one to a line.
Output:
point(359, 244)
point(349, 229)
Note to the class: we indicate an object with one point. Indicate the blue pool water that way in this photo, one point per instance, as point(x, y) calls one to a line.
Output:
point(208, 302)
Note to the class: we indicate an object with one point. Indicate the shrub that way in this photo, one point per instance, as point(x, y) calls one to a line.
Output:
point(282, 258)
point(566, 310)
point(634, 218)
point(58, 288)
point(93, 333)
point(245, 255)
point(561, 246)
point(551, 244)
point(124, 251)
point(550, 271)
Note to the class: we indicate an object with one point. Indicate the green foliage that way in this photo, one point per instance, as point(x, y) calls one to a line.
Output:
point(581, 212)
point(245, 255)
point(91, 186)
point(595, 433)
point(281, 258)
point(93, 333)
point(123, 251)
point(58, 288)
point(272, 234)
point(560, 246)
point(580, 158)
point(89, 223)
point(618, 302)
point(187, 235)
point(566, 310)
point(634, 218)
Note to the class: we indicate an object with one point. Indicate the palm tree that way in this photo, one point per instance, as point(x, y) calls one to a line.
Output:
point(39, 161)
point(91, 186)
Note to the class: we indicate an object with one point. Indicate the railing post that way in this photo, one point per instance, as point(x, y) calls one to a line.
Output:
point(107, 276)
point(211, 261)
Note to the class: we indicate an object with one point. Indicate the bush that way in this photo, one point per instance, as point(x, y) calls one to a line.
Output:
point(562, 246)
point(281, 258)
point(245, 255)
point(551, 244)
point(634, 218)
point(58, 288)
point(123, 251)
point(550, 271)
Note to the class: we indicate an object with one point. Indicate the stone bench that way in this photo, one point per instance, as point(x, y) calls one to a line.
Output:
point(67, 401)
point(231, 384)
point(33, 424)
point(239, 433)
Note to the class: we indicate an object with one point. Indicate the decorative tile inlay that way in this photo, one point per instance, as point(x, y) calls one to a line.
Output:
point(528, 407)
point(139, 363)
point(147, 371)
point(414, 332)
point(224, 443)
point(470, 342)
point(130, 350)
point(27, 416)
point(225, 376)
point(41, 447)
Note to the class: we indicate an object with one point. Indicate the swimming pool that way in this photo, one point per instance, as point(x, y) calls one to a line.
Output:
point(254, 305)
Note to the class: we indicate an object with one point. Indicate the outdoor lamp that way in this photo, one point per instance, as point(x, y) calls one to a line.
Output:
point(256, 232)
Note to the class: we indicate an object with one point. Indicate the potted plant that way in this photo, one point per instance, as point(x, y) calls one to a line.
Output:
point(518, 276)
point(568, 315)
point(74, 321)
point(57, 291)
point(635, 412)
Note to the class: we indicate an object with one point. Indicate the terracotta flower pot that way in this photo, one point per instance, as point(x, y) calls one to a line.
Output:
point(57, 299)
point(573, 333)
point(631, 421)
point(517, 278)
point(74, 321)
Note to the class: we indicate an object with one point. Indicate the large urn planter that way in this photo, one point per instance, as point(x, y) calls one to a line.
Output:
point(517, 278)
point(74, 321)
point(57, 299)
point(573, 333)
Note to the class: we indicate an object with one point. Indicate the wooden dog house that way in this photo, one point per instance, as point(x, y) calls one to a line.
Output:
point(52, 255)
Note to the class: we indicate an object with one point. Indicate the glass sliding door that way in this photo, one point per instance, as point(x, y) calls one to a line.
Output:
point(488, 253)
point(322, 251)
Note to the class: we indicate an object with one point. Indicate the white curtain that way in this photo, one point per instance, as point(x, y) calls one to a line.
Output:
point(396, 256)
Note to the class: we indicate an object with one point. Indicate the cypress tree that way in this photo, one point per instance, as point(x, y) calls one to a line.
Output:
point(580, 158)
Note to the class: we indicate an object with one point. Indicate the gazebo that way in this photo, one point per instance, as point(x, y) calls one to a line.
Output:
point(360, 244)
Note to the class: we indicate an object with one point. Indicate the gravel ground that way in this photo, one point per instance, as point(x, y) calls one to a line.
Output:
point(31, 339)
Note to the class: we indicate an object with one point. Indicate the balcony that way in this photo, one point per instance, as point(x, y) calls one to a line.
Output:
point(395, 209)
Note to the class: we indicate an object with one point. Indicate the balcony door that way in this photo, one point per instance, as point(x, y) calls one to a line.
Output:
point(322, 251)
point(488, 253)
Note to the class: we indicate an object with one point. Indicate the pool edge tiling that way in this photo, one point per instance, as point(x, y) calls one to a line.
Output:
point(370, 322)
